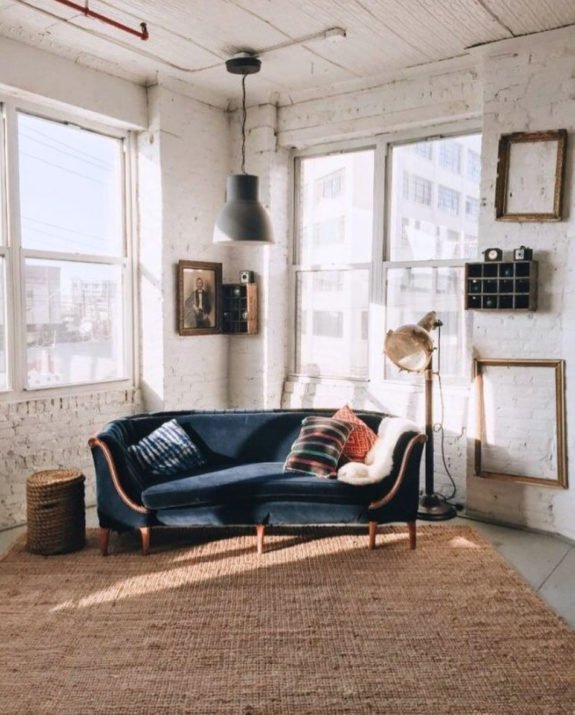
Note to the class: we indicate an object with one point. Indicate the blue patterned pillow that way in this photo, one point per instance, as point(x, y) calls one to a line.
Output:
point(167, 451)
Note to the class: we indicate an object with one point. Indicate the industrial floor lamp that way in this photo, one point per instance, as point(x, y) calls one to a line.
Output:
point(410, 348)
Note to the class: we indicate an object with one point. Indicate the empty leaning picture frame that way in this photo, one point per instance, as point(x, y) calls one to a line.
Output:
point(530, 170)
point(520, 421)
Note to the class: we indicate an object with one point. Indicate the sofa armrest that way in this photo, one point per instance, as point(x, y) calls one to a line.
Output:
point(418, 439)
point(111, 470)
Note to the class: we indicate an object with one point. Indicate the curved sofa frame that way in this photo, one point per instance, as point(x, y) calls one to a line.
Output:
point(146, 515)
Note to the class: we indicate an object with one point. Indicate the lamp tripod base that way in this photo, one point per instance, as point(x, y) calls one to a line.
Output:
point(432, 507)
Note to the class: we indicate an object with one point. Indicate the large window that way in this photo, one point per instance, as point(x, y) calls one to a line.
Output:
point(67, 257)
point(424, 210)
point(426, 247)
point(334, 229)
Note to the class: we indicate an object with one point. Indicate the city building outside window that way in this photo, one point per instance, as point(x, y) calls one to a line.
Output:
point(472, 207)
point(417, 189)
point(424, 149)
point(448, 200)
point(450, 155)
point(328, 323)
point(330, 186)
point(329, 232)
point(473, 165)
point(67, 256)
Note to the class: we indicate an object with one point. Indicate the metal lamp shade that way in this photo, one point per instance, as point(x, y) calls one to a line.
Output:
point(243, 218)
point(409, 347)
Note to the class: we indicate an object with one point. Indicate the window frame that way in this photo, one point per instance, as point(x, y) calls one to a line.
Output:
point(379, 373)
point(15, 254)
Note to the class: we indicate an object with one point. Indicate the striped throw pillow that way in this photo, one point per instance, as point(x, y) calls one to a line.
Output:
point(361, 440)
point(167, 451)
point(318, 447)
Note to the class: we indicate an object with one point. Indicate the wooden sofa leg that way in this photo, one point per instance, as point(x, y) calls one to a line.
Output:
point(104, 540)
point(372, 533)
point(260, 531)
point(412, 534)
point(145, 537)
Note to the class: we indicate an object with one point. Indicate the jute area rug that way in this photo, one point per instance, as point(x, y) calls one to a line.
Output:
point(317, 625)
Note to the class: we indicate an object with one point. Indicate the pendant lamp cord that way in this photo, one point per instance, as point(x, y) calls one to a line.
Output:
point(244, 124)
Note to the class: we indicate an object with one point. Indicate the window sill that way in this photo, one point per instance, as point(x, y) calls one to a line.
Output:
point(453, 385)
point(62, 391)
point(302, 378)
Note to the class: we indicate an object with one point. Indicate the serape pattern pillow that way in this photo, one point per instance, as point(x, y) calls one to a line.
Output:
point(361, 440)
point(318, 447)
point(167, 451)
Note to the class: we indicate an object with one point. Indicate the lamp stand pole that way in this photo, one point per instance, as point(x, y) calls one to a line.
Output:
point(432, 507)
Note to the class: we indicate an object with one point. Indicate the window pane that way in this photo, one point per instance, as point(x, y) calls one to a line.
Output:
point(71, 191)
point(435, 199)
point(3, 360)
point(332, 309)
point(335, 222)
point(412, 292)
point(74, 323)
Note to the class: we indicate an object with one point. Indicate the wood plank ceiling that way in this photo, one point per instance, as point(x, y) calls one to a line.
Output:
point(189, 41)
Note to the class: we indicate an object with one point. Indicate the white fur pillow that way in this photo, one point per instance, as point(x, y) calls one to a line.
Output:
point(379, 459)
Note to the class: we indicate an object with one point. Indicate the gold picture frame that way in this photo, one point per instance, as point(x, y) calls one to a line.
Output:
point(530, 170)
point(199, 288)
point(559, 480)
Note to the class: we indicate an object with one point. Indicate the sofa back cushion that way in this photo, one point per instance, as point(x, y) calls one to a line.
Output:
point(225, 437)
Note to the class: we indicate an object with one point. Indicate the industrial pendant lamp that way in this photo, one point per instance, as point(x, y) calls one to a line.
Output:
point(243, 219)
point(410, 347)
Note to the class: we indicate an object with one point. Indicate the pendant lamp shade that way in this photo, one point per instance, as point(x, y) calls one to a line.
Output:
point(243, 218)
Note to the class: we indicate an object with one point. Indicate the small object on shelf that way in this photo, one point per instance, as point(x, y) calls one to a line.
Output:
point(503, 285)
point(493, 254)
point(247, 277)
point(240, 308)
point(523, 254)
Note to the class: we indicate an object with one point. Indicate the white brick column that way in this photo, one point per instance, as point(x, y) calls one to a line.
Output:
point(257, 363)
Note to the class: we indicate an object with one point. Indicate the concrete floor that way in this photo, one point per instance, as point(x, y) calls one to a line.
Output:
point(546, 562)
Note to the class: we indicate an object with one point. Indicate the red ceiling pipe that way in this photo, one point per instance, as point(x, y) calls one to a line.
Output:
point(85, 10)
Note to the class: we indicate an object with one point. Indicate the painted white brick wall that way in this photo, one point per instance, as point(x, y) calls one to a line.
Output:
point(530, 89)
point(52, 433)
point(184, 161)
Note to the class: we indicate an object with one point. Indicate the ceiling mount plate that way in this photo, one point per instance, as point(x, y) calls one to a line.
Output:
point(243, 63)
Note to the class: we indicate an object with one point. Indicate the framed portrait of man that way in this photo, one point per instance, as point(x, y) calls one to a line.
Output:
point(199, 290)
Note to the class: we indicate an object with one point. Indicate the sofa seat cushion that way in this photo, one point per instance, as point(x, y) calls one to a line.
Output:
point(262, 481)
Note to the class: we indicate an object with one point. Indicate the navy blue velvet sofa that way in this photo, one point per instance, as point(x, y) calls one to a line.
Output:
point(244, 483)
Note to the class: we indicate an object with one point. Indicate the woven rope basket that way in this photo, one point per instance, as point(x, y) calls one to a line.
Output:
point(56, 515)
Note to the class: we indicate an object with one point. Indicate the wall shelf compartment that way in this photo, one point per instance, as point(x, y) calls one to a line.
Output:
point(501, 285)
point(240, 308)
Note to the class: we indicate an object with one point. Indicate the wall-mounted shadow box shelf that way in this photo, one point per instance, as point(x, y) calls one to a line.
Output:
point(240, 308)
point(501, 285)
